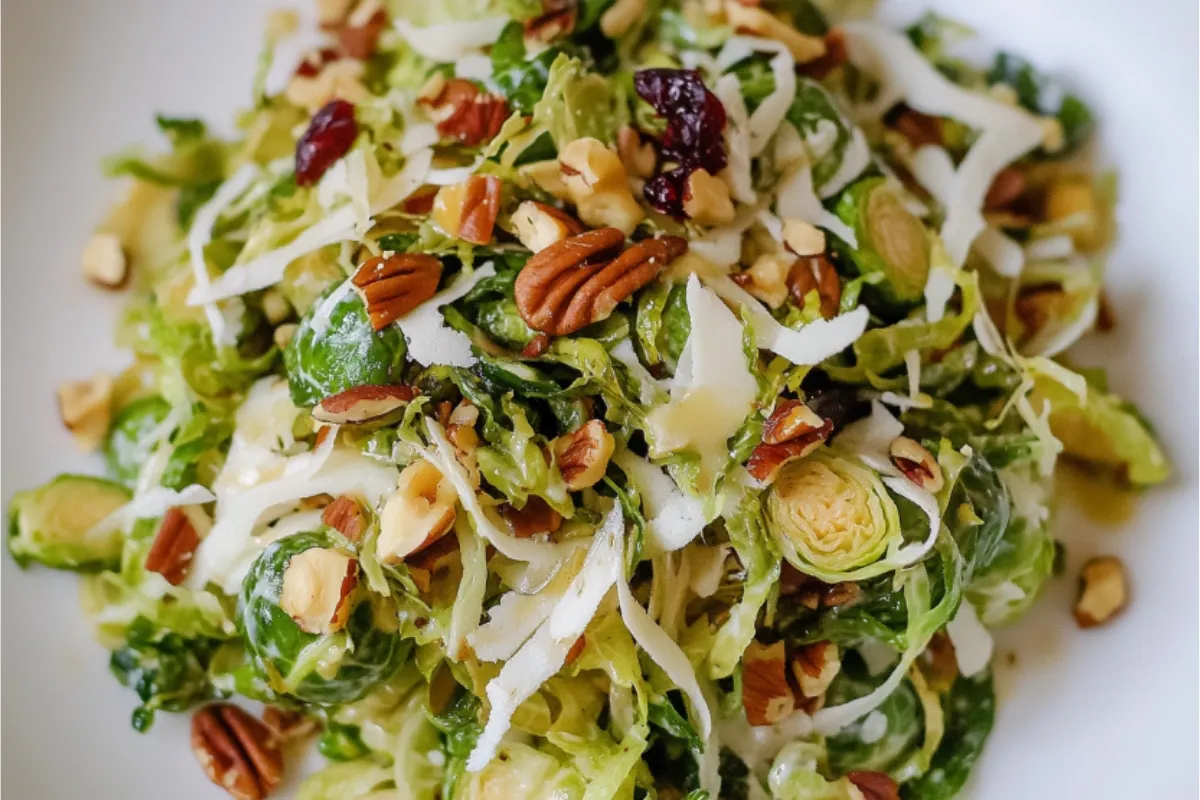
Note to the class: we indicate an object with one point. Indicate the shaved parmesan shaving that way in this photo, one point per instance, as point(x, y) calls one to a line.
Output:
point(915, 551)
point(673, 517)
point(511, 622)
point(666, 653)
point(737, 140)
point(855, 159)
point(713, 391)
point(774, 107)
point(939, 288)
point(147, 505)
point(474, 66)
point(831, 719)
point(1004, 255)
point(418, 136)
point(973, 645)
point(933, 168)
point(795, 199)
point(1006, 132)
point(443, 457)
point(201, 234)
point(869, 439)
point(1052, 248)
point(400, 186)
point(722, 246)
point(430, 340)
point(811, 344)
point(453, 175)
point(450, 41)
point(268, 268)
point(545, 653)
point(912, 364)
point(706, 567)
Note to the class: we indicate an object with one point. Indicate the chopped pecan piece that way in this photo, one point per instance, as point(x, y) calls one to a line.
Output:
point(425, 565)
point(766, 695)
point(173, 548)
point(347, 517)
point(874, 785)
point(362, 404)
point(917, 464)
point(583, 454)
point(536, 517)
point(835, 56)
point(816, 273)
point(466, 114)
point(578, 281)
point(1007, 186)
point(792, 431)
point(556, 20)
point(236, 751)
point(393, 286)
point(469, 209)
point(576, 649)
point(920, 129)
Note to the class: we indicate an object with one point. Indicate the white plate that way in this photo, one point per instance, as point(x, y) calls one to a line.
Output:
point(1109, 713)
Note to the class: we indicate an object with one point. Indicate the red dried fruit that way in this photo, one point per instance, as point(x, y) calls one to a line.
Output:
point(330, 134)
point(695, 122)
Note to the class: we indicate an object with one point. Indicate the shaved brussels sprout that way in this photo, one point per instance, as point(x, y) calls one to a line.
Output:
point(831, 513)
point(1004, 587)
point(336, 349)
point(881, 740)
point(53, 524)
point(323, 668)
point(169, 672)
point(127, 449)
point(892, 242)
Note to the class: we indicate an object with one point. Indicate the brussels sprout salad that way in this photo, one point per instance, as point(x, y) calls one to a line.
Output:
point(593, 399)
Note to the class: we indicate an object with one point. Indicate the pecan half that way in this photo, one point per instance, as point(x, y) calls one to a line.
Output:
point(583, 454)
point(466, 114)
point(816, 273)
point(236, 751)
point(573, 283)
point(792, 431)
point(362, 404)
point(346, 516)
point(173, 548)
point(536, 517)
point(393, 286)
point(874, 785)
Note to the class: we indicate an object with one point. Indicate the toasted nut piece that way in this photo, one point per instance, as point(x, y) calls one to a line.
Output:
point(84, 408)
point(620, 16)
point(359, 37)
point(814, 666)
point(792, 431)
point(577, 281)
point(583, 454)
point(1007, 186)
point(766, 695)
point(432, 89)
point(557, 19)
point(236, 751)
point(919, 129)
point(1103, 591)
point(173, 548)
point(104, 262)
point(340, 79)
point(595, 181)
point(289, 725)
point(275, 306)
point(538, 225)
point(362, 404)
point(547, 176)
point(393, 286)
point(755, 20)
point(706, 199)
point(939, 663)
point(803, 238)
point(283, 334)
point(418, 513)
point(465, 413)
point(917, 464)
point(536, 517)
point(466, 447)
point(841, 594)
point(817, 274)
point(317, 584)
point(1074, 198)
point(463, 112)
point(346, 516)
point(468, 210)
point(835, 56)
point(767, 278)
point(1038, 306)
point(436, 559)
point(1054, 138)
point(315, 501)
point(638, 157)
point(791, 419)
point(872, 786)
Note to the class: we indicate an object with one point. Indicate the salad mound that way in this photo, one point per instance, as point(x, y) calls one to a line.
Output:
point(597, 399)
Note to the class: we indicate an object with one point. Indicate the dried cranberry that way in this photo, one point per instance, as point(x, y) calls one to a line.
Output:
point(695, 117)
point(328, 137)
point(695, 122)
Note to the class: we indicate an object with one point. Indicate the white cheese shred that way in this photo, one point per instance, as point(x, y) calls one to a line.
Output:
point(430, 340)
point(200, 235)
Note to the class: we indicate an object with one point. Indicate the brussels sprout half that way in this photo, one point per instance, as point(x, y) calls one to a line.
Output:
point(831, 514)
point(53, 523)
point(333, 668)
point(126, 450)
point(335, 349)
point(892, 242)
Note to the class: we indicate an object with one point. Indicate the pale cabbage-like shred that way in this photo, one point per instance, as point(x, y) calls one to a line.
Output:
point(870, 438)
point(723, 246)
point(1051, 248)
point(673, 517)
point(418, 136)
point(1006, 132)
point(737, 140)
point(1002, 252)
point(545, 653)
point(973, 645)
point(855, 159)
point(663, 651)
point(268, 269)
point(796, 199)
point(1057, 341)
point(913, 552)
point(393, 190)
point(200, 234)
point(651, 389)
point(430, 340)
point(511, 622)
point(706, 567)
point(152, 503)
point(472, 587)
point(446, 42)
point(808, 345)
point(770, 113)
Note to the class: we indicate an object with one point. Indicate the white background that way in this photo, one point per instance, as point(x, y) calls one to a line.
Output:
point(1108, 713)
